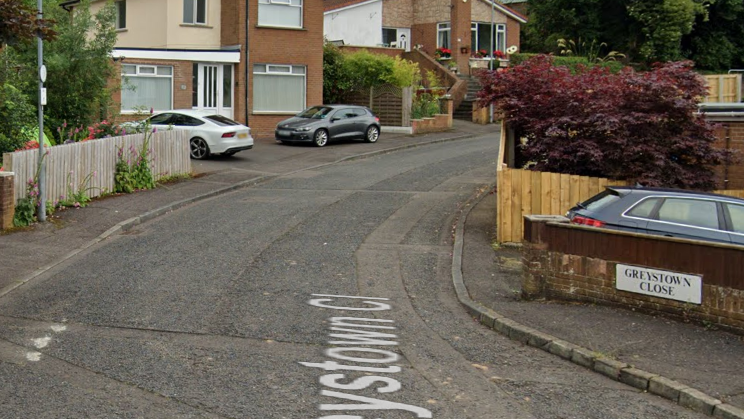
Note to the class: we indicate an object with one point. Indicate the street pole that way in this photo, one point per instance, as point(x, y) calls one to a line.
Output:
point(41, 213)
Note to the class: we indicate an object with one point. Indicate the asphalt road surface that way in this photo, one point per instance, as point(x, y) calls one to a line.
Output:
point(325, 293)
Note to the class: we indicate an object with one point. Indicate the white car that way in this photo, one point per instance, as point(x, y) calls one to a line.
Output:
point(208, 133)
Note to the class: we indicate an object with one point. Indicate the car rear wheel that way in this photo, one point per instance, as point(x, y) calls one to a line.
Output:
point(373, 133)
point(320, 138)
point(199, 148)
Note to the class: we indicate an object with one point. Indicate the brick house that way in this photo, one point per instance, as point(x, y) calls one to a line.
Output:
point(459, 25)
point(256, 61)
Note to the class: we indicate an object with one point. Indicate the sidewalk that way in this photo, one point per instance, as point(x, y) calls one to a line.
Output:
point(706, 360)
point(26, 254)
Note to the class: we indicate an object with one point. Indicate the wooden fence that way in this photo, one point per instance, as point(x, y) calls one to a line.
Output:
point(525, 192)
point(91, 164)
point(724, 88)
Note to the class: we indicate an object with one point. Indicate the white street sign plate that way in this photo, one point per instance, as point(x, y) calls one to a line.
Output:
point(662, 284)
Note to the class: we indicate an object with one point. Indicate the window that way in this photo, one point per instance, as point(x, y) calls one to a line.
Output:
point(692, 212)
point(644, 208)
point(278, 88)
point(443, 35)
point(195, 12)
point(121, 14)
point(145, 87)
point(737, 217)
point(389, 35)
point(162, 119)
point(480, 37)
point(285, 13)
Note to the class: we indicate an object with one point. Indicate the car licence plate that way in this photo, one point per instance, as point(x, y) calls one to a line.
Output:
point(283, 133)
point(243, 135)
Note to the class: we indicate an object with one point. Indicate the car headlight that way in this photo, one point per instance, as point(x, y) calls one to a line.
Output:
point(303, 129)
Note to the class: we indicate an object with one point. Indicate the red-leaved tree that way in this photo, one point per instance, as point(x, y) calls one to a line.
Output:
point(638, 126)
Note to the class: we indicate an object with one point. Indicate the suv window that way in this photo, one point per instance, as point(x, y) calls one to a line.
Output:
point(737, 217)
point(643, 209)
point(692, 212)
point(600, 201)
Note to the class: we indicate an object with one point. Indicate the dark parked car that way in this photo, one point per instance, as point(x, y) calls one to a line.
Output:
point(324, 123)
point(665, 212)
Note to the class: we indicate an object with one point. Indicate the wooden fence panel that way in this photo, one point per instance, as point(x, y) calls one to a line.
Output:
point(92, 164)
point(724, 88)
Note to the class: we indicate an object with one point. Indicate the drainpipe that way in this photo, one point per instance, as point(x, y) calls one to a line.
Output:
point(247, 54)
point(728, 150)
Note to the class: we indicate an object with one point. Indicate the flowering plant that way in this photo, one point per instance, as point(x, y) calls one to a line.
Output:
point(443, 53)
point(498, 54)
point(481, 53)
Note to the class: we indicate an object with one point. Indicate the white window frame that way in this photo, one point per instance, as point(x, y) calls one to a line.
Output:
point(499, 36)
point(444, 27)
point(119, 5)
point(138, 73)
point(195, 8)
point(285, 3)
point(284, 70)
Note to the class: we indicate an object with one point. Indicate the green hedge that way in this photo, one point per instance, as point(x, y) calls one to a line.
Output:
point(570, 62)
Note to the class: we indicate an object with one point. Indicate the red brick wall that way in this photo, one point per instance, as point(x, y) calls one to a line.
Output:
point(734, 173)
point(391, 52)
point(287, 46)
point(425, 34)
point(7, 201)
point(512, 33)
point(557, 264)
point(460, 29)
point(233, 26)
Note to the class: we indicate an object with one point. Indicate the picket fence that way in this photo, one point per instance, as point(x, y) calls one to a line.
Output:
point(91, 164)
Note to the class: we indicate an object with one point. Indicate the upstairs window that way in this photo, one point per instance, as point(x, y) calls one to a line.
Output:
point(443, 35)
point(121, 14)
point(282, 13)
point(195, 12)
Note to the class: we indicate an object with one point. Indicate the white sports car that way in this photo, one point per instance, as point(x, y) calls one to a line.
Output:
point(208, 134)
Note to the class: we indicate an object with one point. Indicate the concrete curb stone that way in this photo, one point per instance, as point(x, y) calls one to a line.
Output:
point(619, 371)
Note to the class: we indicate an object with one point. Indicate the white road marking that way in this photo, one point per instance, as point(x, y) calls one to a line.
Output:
point(33, 356)
point(42, 342)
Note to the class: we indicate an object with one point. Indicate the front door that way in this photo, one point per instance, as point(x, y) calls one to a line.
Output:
point(213, 88)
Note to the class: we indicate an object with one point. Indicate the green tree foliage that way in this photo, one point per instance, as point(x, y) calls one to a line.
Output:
point(78, 65)
point(717, 43)
point(342, 73)
point(336, 81)
point(644, 30)
point(637, 126)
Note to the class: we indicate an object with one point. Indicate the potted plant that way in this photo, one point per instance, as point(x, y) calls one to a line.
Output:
point(443, 54)
point(452, 66)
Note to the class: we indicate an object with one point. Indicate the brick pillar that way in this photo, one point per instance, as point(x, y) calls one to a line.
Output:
point(460, 18)
point(535, 254)
point(7, 200)
point(448, 108)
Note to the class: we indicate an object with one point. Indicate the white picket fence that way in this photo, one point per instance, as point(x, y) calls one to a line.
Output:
point(68, 166)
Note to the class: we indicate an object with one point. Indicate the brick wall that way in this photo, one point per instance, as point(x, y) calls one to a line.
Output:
point(731, 135)
point(552, 270)
point(287, 46)
point(7, 200)
point(397, 13)
point(461, 30)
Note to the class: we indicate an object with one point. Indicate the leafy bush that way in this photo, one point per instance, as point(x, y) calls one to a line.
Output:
point(572, 62)
point(425, 105)
point(640, 127)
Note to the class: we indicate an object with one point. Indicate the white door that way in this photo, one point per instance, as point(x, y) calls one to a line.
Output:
point(404, 39)
point(214, 89)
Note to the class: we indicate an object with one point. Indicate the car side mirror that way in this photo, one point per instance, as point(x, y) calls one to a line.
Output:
point(335, 118)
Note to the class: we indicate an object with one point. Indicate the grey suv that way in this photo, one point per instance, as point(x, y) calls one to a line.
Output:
point(324, 123)
point(666, 212)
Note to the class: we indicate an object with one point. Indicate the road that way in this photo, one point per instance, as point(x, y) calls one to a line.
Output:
point(323, 293)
